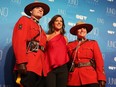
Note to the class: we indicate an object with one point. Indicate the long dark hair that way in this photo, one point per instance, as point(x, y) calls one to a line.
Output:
point(50, 25)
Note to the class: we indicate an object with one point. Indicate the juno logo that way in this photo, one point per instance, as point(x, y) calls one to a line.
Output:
point(111, 81)
point(73, 2)
point(111, 11)
point(100, 20)
point(4, 11)
point(112, 44)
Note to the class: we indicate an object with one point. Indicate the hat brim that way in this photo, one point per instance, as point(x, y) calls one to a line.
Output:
point(73, 30)
point(29, 7)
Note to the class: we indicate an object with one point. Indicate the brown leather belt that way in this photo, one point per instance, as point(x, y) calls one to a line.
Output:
point(41, 48)
point(83, 64)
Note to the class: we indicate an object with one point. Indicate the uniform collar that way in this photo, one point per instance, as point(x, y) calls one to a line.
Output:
point(81, 39)
point(35, 20)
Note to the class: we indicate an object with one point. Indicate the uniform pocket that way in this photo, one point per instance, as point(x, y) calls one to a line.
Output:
point(87, 51)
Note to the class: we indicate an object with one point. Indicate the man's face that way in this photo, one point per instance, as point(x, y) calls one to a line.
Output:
point(37, 12)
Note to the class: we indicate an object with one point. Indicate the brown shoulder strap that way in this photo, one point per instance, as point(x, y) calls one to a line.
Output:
point(80, 44)
point(76, 49)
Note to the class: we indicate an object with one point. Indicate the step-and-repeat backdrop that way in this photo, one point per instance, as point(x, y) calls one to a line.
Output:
point(100, 13)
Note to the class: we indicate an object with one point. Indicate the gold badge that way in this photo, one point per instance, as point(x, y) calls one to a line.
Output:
point(20, 26)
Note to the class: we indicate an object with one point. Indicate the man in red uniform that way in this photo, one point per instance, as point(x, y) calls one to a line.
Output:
point(29, 40)
point(87, 61)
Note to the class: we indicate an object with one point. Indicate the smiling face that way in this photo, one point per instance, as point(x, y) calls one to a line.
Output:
point(37, 12)
point(58, 24)
point(81, 33)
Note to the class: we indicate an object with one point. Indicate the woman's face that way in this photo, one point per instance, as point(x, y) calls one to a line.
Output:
point(58, 23)
point(82, 32)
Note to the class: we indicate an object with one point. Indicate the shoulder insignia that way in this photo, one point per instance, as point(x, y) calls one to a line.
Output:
point(20, 26)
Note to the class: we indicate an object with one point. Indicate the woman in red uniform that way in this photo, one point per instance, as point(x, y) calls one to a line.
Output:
point(56, 53)
point(88, 70)
point(29, 41)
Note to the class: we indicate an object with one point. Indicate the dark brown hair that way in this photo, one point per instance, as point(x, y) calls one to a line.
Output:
point(50, 25)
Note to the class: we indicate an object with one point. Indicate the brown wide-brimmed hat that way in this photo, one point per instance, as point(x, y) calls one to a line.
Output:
point(79, 25)
point(30, 6)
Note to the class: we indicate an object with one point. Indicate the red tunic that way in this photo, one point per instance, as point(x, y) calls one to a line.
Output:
point(25, 29)
point(56, 53)
point(86, 75)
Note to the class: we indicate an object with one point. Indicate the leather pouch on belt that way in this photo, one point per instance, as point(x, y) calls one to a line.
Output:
point(33, 46)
